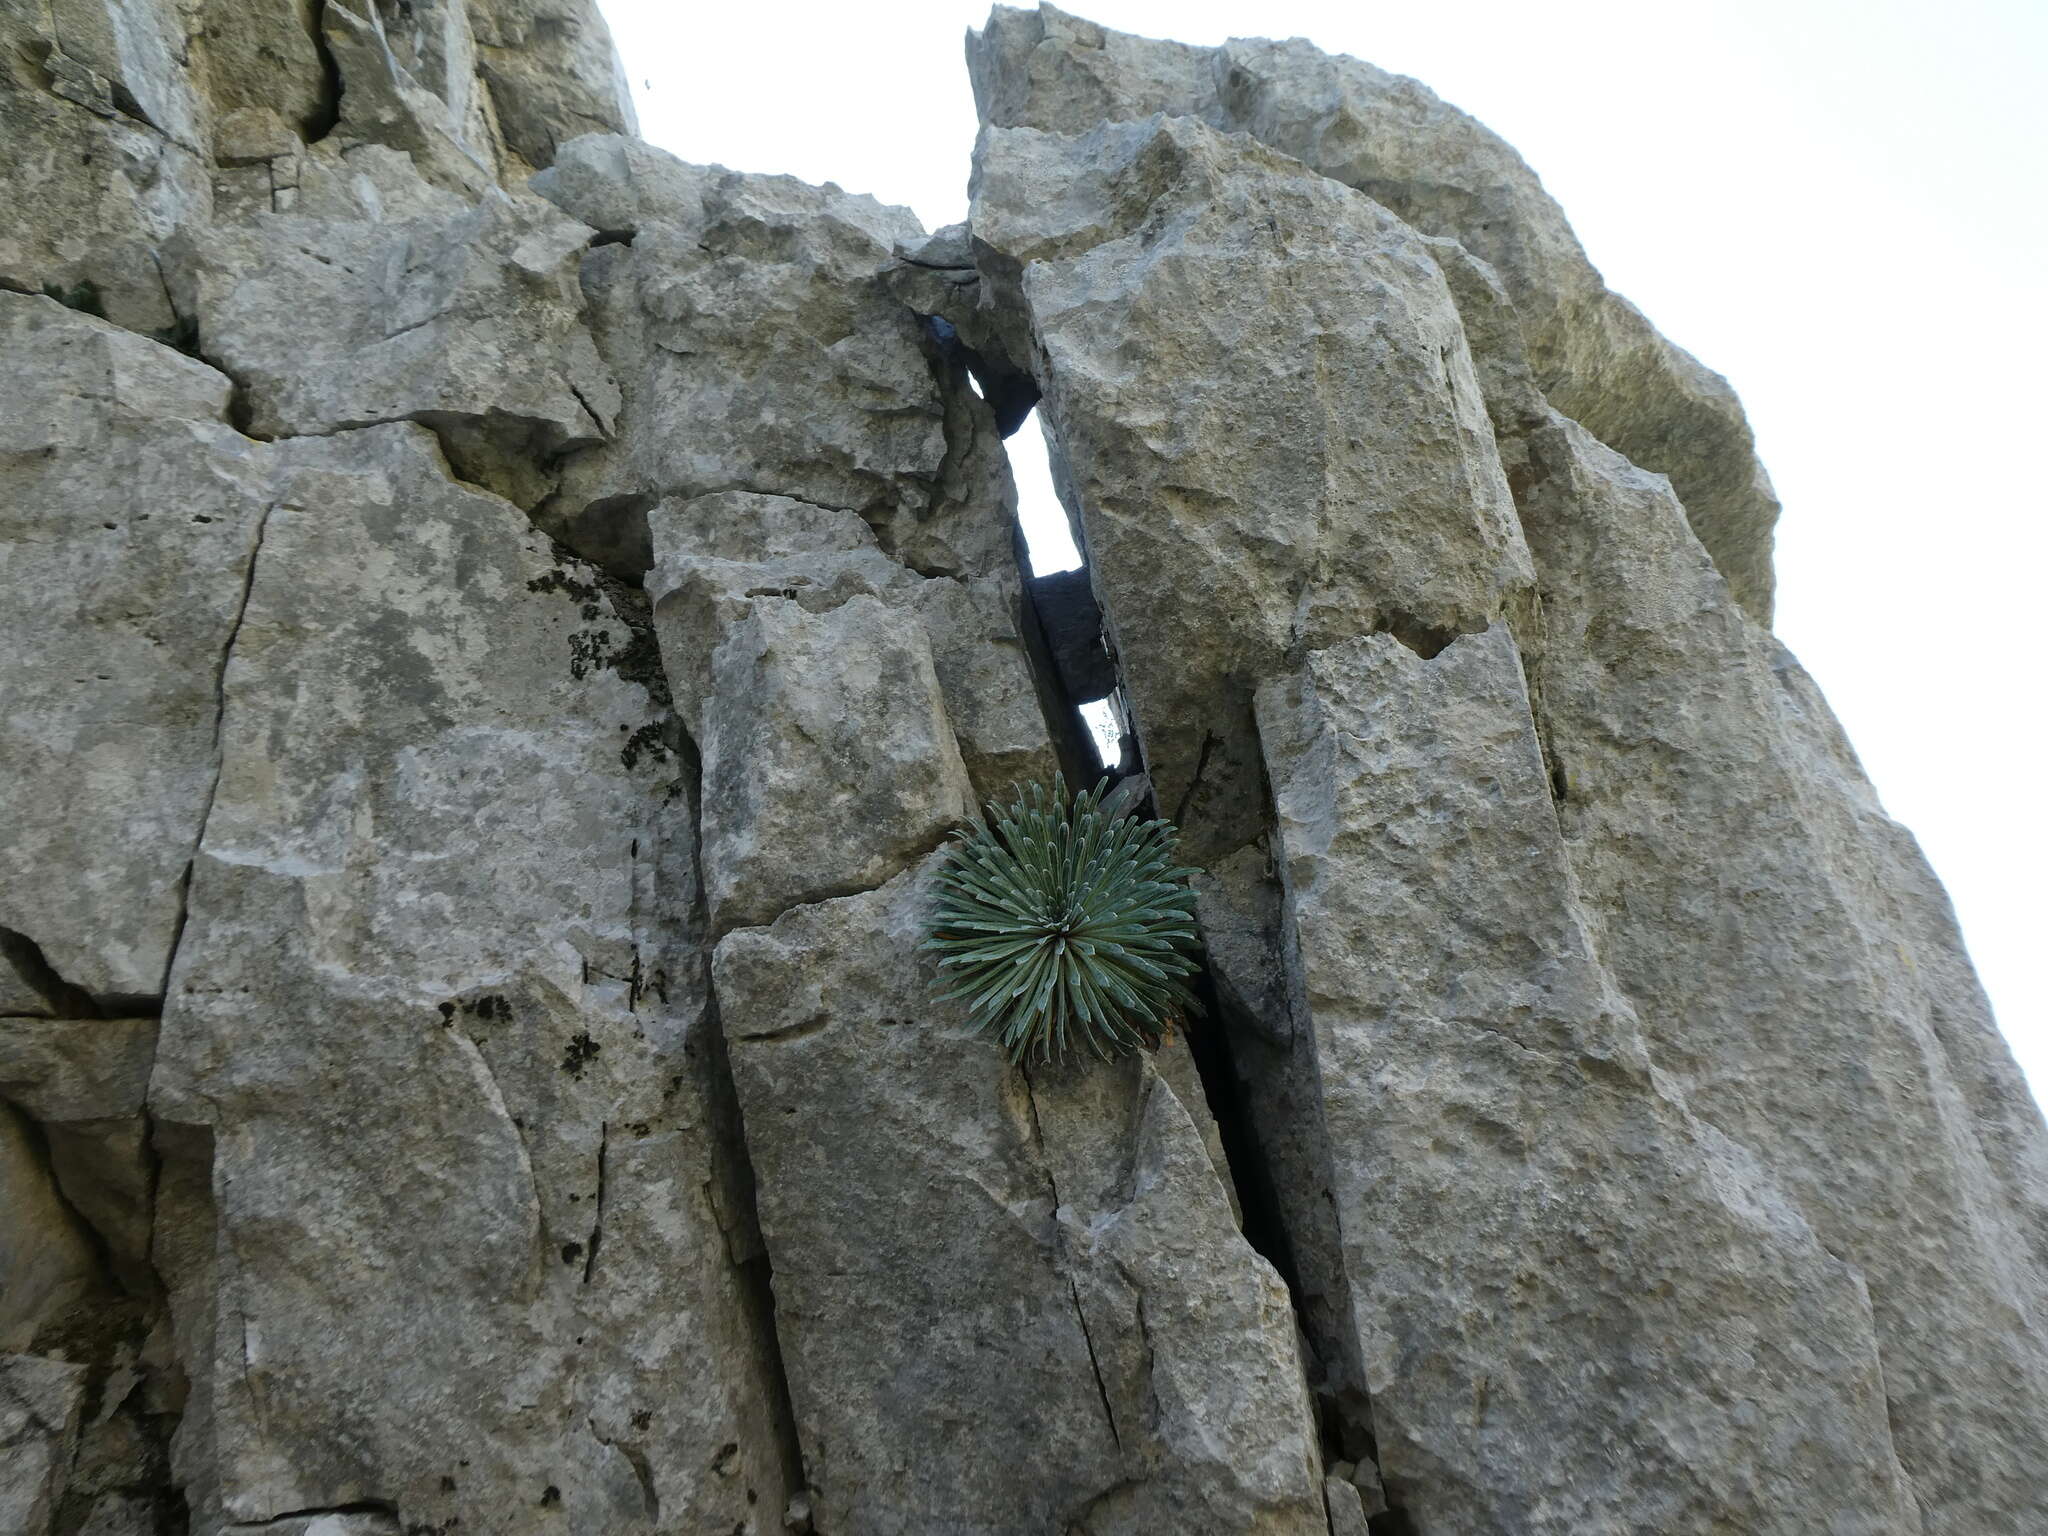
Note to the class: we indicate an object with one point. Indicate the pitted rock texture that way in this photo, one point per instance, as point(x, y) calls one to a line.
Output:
point(501, 623)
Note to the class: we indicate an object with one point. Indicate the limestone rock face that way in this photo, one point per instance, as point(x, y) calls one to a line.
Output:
point(501, 624)
point(1261, 394)
point(970, 1258)
point(470, 323)
point(724, 300)
point(1445, 174)
point(1469, 1040)
point(1688, 810)
point(131, 512)
point(474, 1100)
point(551, 72)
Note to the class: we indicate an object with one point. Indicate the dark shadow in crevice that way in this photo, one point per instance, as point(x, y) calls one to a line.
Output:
point(1011, 392)
point(321, 121)
point(61, 998)
point(1082, 667)
point(1426, 640)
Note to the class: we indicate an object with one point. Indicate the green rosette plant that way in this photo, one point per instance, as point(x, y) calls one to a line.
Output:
point(1065, 928)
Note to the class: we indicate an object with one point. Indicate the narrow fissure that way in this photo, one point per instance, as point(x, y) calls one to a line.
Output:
point(756, 1271)
point(1082, 678)
point(321, 121)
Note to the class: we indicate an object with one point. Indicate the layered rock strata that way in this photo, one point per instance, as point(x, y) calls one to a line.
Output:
point(505, 622)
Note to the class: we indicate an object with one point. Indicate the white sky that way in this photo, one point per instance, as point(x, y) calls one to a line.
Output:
point(1840, 204)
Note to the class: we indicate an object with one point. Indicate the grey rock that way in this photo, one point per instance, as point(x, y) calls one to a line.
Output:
point(412, 86)
point(264, 59)
point(760, 349)
point(116, 57)
point(969, 1259)
point(1603, 1068)
point(1346, 1509)
point(1446, 174)
point(1827, 1012)
point(49, 1271)
point(829, 763)
point(714, 557)
point(1543, 1356)
point(82, 1081)
point(1065, 602)
point(1321, 429)
point(552, 73)
point(1273, 1057)
point(468, 322)
point(90, 191)
point(720, 558)
point(40, 1404)
point(425, 1014)
point(130, 514)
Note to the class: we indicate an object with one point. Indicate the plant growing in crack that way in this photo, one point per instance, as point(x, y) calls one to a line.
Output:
point(1066, 928)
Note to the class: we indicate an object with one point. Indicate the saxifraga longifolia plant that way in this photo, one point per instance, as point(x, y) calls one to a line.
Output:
point(1065, 928)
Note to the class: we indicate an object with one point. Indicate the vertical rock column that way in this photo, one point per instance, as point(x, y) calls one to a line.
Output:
point(969, 1263)
point(1379, 599)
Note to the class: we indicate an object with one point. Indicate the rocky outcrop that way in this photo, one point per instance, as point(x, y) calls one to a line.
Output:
point(1687, 809)
point(1444, 174)
point(503, 625)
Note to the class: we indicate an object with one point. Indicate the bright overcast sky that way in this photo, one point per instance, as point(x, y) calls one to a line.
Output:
point(1840, 204)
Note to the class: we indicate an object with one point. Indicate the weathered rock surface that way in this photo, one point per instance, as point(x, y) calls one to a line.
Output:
point(40, 1402)
point(552, 74)
point(717, 558)
point(492, 657)
point(970, 1259)
point(828, 759)
point(1262, 395)
point(760, 348)
point(131, 510)
point(1714, 829)
point(469, 323)
point(1477, 1065)
point(1445, 174)
point(465, 1149)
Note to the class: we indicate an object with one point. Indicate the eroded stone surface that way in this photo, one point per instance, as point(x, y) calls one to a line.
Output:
point(129, 516)
point(715, 558)
point(470, 323)
point(1267, 419)
point(1608, 1081)
point(829, 762)
point(40, 1402)
point(430, 1013)
point(1829, 1009)
point(1545, 1243)
point(1445, 174)
point(760, 349)
point(551, 72)
point(967, 1261)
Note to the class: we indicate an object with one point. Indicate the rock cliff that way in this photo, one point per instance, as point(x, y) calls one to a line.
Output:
point(500, 623)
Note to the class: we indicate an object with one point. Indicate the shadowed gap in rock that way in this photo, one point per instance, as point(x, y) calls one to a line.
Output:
point(1084, 682)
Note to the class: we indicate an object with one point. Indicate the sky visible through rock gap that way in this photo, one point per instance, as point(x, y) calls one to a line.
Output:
point(1834, 203)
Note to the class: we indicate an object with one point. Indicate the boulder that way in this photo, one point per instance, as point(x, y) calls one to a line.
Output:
point(468, 321)
point(1579, 1306)
point(1266, 417)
